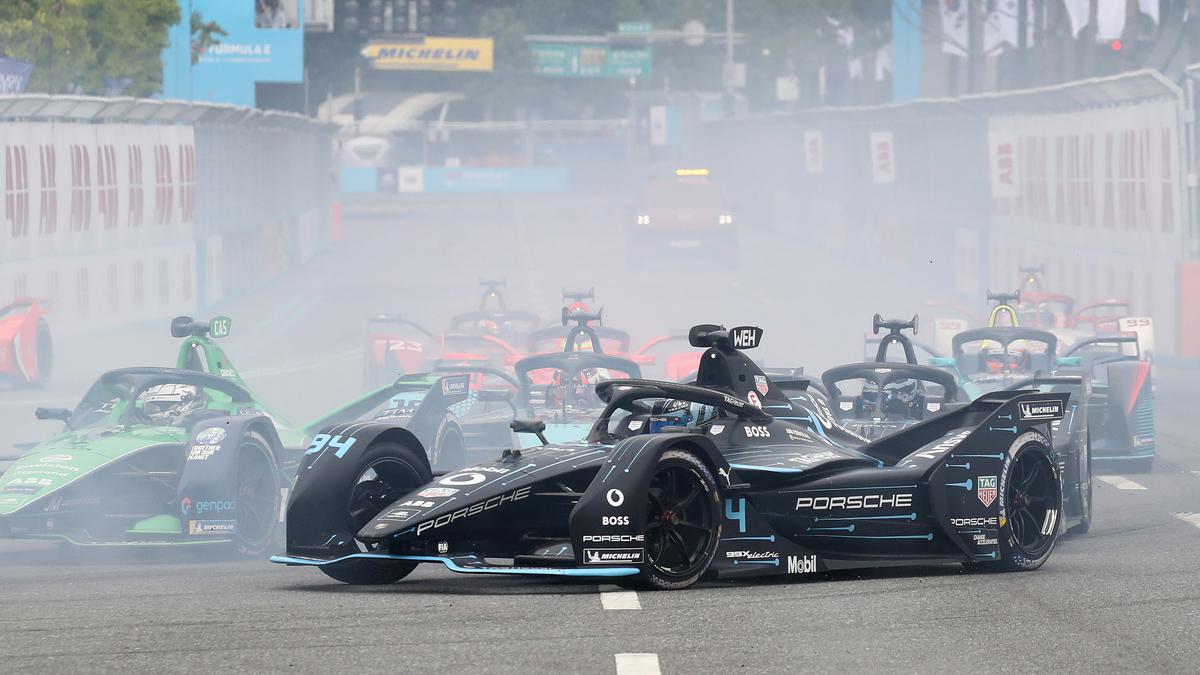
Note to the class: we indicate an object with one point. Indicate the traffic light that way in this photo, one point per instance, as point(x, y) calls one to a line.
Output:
point(363, 16)
point(438, 17)
point(376, 17)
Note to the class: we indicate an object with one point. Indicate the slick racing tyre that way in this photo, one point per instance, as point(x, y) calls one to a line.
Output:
point(387, 471)
point(451, 450)
point(682, 522)
point(1085, 522)
point(1032, 507)
point(257, 498)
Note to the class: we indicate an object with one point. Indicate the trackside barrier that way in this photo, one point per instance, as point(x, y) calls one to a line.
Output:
point(1088, 178)
point(120, 210)
point(1189, 310)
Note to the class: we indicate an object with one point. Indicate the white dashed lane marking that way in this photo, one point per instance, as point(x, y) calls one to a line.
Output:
point(1193, 518)
point(1122, 483)
point(614, 597)
point(637, 664)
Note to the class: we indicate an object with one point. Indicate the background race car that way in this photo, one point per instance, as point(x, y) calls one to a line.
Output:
point(154, 456)
point(26, 349)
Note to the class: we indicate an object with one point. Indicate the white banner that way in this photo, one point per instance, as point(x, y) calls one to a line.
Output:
point(1002, 153)
point(883, 157)
point(1115, 171)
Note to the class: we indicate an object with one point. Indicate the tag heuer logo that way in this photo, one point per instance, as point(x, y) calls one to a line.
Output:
point(987, 490)
point(1040, 410)
point(761, 384)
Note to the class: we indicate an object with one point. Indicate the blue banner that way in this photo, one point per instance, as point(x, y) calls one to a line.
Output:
point(14, 75)
point(906, 50)
point(264, 42)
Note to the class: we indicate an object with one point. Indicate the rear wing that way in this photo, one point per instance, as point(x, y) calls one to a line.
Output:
point(1053, 381)
point(994, 418)
point(442, 392)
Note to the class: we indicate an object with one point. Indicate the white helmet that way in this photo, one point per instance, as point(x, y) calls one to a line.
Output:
point(164, 403)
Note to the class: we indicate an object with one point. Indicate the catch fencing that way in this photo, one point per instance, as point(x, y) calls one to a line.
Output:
point(119, 210)
point(1088, 178)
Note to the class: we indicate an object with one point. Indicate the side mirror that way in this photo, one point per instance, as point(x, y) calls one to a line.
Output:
point(943, 362)
point(181, 326)
point(537, 428)
point(60, 414)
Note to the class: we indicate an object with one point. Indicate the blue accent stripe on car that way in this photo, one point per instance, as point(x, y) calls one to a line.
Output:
point(454, 567)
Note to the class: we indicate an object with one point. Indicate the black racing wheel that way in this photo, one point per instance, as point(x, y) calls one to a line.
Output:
point(1032, 507)
point(1085, 522)
point(682, 522)
point(258, 500)
point(387, 471)
point(451, 450)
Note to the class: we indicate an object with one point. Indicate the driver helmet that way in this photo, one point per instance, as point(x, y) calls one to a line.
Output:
point(904, 391)
point(1000, 361)
point(489, 327)
point(679, 413)
point(163, 403)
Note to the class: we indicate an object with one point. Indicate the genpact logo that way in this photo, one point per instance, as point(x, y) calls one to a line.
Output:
point(187, 505)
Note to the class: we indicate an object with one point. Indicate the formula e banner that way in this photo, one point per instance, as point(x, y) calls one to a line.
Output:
point(14, 75)
point(260, 41)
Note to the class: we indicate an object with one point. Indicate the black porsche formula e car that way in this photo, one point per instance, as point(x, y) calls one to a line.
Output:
point(727, 477)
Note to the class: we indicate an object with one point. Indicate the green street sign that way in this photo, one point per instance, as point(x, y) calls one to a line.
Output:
point(220, 327)
point(589, 60)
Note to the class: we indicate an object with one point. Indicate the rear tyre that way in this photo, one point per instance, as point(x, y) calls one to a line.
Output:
point(1085, 523)
point(450, 452)
point(257, 498)
point(387, 471)
point(682, 522)
point(1032, 506)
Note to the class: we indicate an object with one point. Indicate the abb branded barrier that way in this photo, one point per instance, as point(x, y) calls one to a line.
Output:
point(118, 210)
point(1088, 179)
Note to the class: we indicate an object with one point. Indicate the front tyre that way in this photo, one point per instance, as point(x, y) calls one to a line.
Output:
point(257, 497)
point(682, 522)
point(1032, 507)
point(387, 471)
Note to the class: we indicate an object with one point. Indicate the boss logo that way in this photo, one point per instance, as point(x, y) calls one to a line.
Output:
point(753, 431)
point(614, 520)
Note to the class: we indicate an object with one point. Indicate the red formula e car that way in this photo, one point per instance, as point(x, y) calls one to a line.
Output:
point(26, 351)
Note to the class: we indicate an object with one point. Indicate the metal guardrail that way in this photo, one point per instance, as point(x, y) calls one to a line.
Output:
point(126, 109)
point(1129, 87)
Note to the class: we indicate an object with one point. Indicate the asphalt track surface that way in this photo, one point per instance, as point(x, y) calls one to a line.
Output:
point(1125, 597)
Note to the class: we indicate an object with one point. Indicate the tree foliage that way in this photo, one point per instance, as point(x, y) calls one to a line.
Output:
point(75, 44)
point(204, 35)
